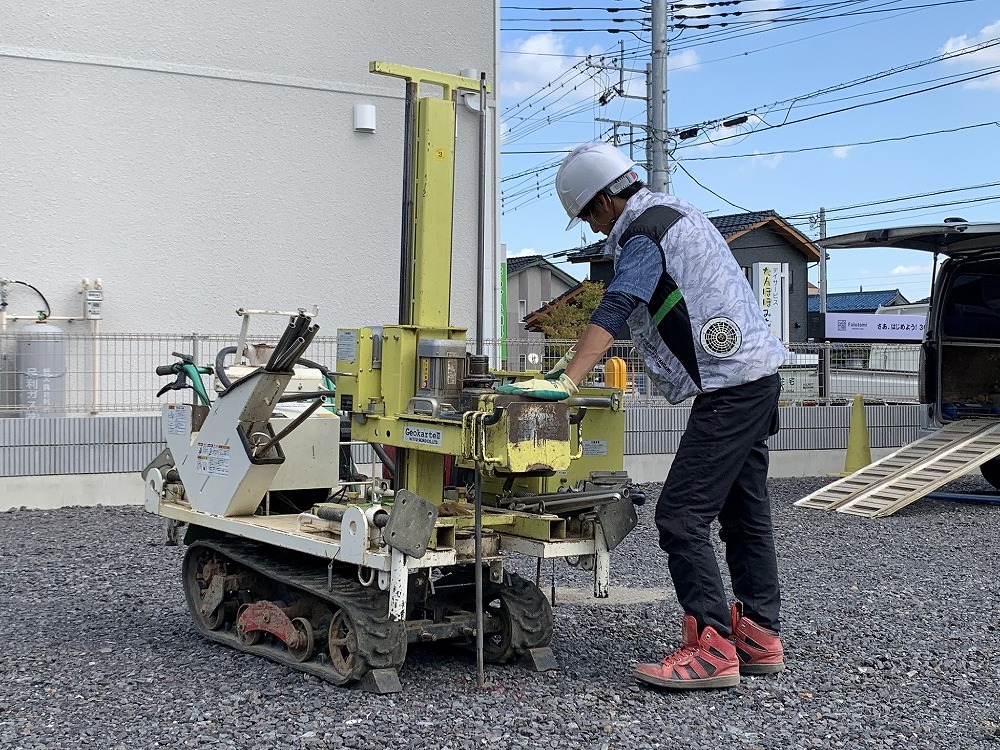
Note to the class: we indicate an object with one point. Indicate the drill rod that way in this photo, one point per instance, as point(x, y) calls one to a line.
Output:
point(480, 659)
point(263, 449)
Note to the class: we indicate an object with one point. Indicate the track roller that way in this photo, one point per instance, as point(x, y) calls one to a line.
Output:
point(338, 630)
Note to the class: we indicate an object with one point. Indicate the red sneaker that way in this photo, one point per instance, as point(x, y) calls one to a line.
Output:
point(758, 648)
point(705, 661)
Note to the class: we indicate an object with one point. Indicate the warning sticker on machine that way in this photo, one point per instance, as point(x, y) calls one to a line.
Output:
point(595, 447)
point(423, 436)
point(178, 420)
point(347, 345)
point(213, 459)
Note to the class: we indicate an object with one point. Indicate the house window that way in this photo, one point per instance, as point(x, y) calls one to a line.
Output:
point(522, 309)
point(522, 362)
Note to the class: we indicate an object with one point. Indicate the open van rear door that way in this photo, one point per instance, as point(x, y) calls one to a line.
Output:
point(951, 239)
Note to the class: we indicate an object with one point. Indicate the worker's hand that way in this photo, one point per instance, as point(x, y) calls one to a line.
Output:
point(561, 365)
point(548, 390)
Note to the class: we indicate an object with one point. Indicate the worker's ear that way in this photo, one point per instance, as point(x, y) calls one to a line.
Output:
point(602, 203)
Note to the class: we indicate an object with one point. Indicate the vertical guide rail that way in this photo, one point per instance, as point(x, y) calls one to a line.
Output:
point(406, 240)
point(406, 230)
point(481, 260)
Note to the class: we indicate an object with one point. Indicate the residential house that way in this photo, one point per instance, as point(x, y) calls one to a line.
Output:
point(532, 282)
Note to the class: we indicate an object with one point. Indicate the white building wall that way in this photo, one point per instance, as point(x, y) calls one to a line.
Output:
point(200, 156)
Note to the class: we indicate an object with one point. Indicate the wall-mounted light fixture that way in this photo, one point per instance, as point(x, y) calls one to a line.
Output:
point(364, 118)
point(470, 98)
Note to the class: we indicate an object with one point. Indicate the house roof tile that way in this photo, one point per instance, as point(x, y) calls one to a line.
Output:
point(519, 263)
point(858, 301)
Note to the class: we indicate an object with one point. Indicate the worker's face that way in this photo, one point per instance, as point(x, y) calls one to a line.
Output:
point(602, 217)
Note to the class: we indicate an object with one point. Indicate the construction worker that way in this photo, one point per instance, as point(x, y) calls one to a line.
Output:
point(701, 333)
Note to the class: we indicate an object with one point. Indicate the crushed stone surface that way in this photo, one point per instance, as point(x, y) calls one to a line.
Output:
point(890, 630)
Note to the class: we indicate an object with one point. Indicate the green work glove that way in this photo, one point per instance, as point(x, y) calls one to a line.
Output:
point(561, 365)
point(548, 390)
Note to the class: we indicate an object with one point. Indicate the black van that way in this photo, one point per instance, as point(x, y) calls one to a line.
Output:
point(960, 357)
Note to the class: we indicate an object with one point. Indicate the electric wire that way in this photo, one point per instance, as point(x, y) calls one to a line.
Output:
point(871, 78)
point(889, 139)
point(48, 308)
point(532, 190)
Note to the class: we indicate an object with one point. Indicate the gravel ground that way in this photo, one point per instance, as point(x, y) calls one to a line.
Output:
point(890, 630)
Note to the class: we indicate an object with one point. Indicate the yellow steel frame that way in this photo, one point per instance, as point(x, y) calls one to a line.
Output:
point(434, 183)
point(433, 216)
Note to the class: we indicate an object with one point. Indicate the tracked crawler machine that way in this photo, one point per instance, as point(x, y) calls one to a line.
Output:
point(295, 555)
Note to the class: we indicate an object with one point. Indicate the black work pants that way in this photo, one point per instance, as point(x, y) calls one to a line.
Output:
point(720, 471)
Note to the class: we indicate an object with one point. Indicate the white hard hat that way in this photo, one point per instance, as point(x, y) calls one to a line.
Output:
point(586, 171)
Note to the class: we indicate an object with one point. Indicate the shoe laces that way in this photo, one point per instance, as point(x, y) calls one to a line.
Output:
point(682, 654)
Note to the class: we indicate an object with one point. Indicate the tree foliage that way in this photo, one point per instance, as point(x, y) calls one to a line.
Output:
point(567, 320)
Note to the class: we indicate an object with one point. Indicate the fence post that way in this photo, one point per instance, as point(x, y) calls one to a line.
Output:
point(824, 369)
point(95, 391)
point(196, 348)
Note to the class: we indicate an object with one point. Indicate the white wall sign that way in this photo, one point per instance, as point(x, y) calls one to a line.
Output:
point(770, 282)
point(874, 327)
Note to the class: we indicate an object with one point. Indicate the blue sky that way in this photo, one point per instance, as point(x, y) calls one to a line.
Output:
point(755, 69)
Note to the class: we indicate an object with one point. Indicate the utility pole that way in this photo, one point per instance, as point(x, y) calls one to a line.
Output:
point(621, 93)
point(824, 378)
point(656, 112)
point(656, 97)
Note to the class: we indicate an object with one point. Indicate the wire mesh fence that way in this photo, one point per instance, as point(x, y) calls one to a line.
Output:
point(814, 373)
point(56, 374)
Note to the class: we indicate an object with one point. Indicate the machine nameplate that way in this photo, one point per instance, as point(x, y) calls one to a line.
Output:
point(178, 420)
point(595, 447)
point(347, 345)
point(423, 436)
point(213, 459)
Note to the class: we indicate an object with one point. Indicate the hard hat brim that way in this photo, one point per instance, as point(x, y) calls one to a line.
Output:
point(572, 223)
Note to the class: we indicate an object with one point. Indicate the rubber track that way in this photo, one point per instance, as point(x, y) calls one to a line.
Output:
point(381, 641)
point(530, 614)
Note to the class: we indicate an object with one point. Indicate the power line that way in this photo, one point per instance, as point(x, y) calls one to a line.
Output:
point(883, 201)
point(835, 145)
point(819, 18)
point(684, 170)
point(547, 115)
point(871, 78)
point(966, 79)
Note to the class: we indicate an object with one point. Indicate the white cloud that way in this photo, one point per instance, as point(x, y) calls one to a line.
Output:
point(683, 60)
point(539, 59)
point(982, 59)
point(767, 162)
point(535, 61)
point(841, 152)
point(522, 253)
point(912, 270)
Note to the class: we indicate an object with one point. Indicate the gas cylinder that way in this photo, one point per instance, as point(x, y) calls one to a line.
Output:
point(40, 367)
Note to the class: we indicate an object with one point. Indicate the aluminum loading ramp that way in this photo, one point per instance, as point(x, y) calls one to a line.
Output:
point(912, 472)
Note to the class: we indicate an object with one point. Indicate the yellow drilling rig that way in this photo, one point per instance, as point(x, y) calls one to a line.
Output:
point(293, 554)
